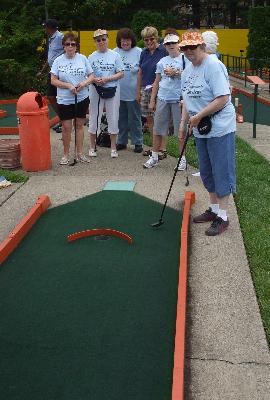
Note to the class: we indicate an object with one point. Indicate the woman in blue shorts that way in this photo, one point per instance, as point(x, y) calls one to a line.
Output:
point(206, 92)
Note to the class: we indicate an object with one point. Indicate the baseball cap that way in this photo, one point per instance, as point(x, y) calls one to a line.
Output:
point(170, 38)
point(191, 38)
point(51, 23)
point(100, 32)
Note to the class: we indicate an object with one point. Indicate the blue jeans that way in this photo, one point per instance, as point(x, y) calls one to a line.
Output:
point(130, 122)
point(217, 163)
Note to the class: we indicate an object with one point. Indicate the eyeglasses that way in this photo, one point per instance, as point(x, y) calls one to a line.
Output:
point(72, 44)
point(191, 47)
point(101, 40)
point(170, 43)
point(151, 39)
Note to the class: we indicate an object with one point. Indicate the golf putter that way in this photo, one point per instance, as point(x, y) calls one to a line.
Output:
point(75, 131)
point(160, 221)
point(187, 180)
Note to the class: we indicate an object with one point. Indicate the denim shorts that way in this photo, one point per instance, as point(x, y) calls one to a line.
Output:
point(217, 163)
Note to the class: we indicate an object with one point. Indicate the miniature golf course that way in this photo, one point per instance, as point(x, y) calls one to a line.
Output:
point(263, 114)
point(94, 318)
point(9, 124)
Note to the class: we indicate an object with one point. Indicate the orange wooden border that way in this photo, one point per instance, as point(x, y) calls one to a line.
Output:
point(19, 232)
point(97, 232)
point(9, 101)
point(179, 344)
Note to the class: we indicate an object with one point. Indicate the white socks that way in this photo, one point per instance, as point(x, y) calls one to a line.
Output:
point(223, 214)
point(155, 155)
point(215, 208)
point(220, 213)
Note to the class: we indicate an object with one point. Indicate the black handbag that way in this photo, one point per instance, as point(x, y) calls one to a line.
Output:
point(205, 125)
point(105, 93)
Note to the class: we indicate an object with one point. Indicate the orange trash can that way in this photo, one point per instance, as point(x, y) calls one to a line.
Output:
point(34, 131)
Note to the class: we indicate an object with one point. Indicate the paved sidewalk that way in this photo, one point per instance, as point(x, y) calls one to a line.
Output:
point(227, 356)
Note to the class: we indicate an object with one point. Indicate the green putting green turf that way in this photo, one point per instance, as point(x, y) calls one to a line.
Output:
point(11, 119)
point(92, 319)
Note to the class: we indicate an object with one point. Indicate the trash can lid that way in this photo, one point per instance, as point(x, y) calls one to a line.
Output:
point(32, 102)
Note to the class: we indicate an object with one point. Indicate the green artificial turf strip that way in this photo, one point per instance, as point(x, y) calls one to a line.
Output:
point(14, 177)
point(91, 319)
point(252, 202)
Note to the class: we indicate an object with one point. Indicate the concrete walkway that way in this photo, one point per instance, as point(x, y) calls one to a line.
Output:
point(227, 355)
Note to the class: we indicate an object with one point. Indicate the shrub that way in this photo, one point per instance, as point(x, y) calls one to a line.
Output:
point(146, 18)
point(18, 78)
point(259, 35)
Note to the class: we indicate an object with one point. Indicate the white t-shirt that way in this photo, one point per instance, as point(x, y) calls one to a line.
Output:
point(73, 70)
point(105, 64)
point(128, 85)
point(200, 86)
point(170, 87)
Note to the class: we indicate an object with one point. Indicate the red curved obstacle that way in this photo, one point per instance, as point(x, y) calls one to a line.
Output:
point(3, 113)
point(98, 232)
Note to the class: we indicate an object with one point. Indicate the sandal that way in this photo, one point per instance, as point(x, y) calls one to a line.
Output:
point(162, 154)
point(147, 153)
point(64, 160)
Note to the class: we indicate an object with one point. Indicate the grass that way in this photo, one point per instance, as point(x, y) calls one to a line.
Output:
point(252, 203)
point(12, 176)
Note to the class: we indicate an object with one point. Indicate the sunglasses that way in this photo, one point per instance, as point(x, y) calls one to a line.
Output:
point(101, 40)
point(151, 39)
point(72, 44)
point(191, 47)
point(170, 43)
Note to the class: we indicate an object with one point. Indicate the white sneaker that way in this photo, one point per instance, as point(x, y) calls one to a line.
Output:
point(64, 160)
point(114, 154)
point(152, 162)
point(92, 153)
point(82, 158)
point(183, 164)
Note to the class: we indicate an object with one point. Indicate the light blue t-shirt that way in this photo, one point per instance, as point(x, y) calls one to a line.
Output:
point(55, 47)
point(200, 86)
point(170, 87)
point(128, 85)
point(73, 70)
point(106, 64)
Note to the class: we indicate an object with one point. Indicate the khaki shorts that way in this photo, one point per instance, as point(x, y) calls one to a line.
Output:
point(145, 100)
point(164, 114)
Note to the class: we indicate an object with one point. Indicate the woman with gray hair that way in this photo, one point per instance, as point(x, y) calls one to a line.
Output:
point(210, 39)
point(149, 58)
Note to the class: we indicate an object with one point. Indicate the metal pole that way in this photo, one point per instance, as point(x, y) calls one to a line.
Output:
point(255, 110)
point(245, 71)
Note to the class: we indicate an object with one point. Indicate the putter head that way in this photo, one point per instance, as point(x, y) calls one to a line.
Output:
point(187, 182)
point(73, 163)
point(157, 224)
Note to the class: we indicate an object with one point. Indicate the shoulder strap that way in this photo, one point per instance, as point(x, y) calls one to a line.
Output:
point(183, 61)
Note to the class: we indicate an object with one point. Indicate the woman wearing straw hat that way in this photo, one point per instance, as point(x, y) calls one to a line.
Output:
point(211, 116)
